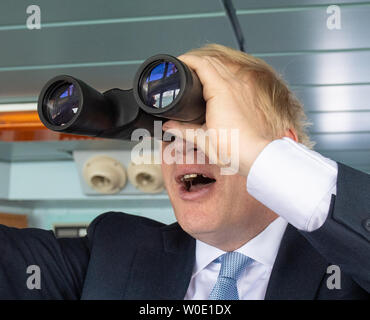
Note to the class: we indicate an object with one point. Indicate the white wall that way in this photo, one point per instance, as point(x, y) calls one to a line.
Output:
point(4, 179)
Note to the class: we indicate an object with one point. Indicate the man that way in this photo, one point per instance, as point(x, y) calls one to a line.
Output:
point(290, 224)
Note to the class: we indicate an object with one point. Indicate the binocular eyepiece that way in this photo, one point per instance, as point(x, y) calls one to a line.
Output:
point(163, 88)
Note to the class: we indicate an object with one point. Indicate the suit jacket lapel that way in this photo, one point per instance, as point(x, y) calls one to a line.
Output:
point(298, 269)
point(166, 273)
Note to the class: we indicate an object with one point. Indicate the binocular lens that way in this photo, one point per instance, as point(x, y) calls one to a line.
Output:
point(62, 104)
point(163, 88)
point(160, 85)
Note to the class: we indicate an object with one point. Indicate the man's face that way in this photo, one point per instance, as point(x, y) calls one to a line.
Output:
point(216, 207)
point(213, 204)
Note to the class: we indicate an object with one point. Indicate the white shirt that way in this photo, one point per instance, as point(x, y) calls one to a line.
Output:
point(294, 182)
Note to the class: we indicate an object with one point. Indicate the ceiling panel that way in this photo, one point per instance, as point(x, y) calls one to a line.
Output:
point(335, 98)
point(105, 55)
point(323, 68)
point(26, 85)
point(359, 158)
point(305, 30)
point(14, 12)
point(340, 121)
point(319, 69)
point(110, 42)
point(344, 141)
point(268, 4)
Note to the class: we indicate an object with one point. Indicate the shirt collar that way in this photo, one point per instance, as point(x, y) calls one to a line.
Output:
point(263, 248)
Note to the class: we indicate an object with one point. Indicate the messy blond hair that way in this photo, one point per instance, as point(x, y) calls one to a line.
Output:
point(280, 108)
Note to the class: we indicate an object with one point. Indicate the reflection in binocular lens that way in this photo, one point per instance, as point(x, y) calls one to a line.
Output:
point(160, 85)
point(62, 104)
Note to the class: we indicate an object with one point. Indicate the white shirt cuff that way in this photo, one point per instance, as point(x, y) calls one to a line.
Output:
point(295, 182)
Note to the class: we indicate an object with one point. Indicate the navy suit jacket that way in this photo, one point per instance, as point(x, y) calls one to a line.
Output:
point(129, 257)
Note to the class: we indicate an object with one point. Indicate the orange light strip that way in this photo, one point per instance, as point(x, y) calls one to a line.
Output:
point(26, 126)
point(20, 120)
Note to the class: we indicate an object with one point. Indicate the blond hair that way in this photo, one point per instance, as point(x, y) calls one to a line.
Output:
point(279, 106)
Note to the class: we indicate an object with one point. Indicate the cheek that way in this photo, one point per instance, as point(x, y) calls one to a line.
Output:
point(232, 194)
point(167, 174)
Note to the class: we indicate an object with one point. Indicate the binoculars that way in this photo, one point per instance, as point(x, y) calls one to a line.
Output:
point(164, 88)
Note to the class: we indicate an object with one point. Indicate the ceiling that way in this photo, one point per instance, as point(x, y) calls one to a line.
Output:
point(103, 43)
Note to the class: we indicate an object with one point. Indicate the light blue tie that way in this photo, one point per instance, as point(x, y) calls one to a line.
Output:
point(232, 266)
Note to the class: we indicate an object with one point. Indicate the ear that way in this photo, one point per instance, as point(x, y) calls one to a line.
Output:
point(290, 133)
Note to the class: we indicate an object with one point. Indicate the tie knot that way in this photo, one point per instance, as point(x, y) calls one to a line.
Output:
point(233, 264)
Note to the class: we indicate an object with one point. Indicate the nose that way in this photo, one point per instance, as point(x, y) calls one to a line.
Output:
point(186, 152)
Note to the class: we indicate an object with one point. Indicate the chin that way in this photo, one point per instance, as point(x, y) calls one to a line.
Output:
point(198, 197)
point(196, 221)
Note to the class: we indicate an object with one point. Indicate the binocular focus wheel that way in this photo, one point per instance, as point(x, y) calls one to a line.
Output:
point(104, 174)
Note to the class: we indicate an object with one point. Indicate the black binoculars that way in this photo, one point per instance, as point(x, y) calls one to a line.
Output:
point(164, 88)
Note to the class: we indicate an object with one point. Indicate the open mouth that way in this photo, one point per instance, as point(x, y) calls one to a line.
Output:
point(195, 181)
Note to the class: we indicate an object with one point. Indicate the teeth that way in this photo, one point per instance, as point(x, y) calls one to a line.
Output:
point(191, 176)
point(188, 177)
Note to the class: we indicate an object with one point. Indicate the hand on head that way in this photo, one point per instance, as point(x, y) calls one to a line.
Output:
point(229, 108)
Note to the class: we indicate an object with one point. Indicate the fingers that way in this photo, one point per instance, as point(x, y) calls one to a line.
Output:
point(210, 74)
point(172, 124)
